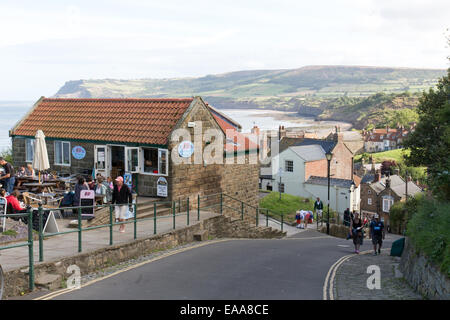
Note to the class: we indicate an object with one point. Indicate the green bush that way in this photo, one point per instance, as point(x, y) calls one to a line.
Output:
point(429, 231)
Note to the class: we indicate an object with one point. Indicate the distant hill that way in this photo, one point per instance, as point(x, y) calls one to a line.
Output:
point(323, 81)
point(320, 91)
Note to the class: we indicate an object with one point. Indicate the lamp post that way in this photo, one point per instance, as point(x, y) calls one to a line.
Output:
point(328, 155)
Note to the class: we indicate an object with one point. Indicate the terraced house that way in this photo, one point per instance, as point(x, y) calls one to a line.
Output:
point(118, 136)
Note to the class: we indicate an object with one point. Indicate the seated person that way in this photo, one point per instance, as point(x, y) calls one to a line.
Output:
point(14, 201)
point(29, 171)
point(21, 172)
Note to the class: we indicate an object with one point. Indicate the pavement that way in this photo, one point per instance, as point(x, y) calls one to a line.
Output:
point(57, 247)
point(352, 276)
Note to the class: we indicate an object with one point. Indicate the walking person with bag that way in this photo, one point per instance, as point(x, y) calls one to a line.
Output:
point(123, 199)
point(356, 232)
point(377, 234)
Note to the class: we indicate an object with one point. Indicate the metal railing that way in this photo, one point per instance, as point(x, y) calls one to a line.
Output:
point(209, 202)
point(28, 243)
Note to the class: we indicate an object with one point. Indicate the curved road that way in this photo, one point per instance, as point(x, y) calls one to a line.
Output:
point(259, 269)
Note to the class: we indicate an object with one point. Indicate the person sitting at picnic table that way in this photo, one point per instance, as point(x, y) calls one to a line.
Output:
point(29, 171)
point(21, 172)
point(81, 185)
point(101, 188)
point(14, 201)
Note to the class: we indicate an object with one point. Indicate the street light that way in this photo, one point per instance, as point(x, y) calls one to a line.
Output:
point(328, 155)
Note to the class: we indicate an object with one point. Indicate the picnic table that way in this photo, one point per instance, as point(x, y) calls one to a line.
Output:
point(40, 187)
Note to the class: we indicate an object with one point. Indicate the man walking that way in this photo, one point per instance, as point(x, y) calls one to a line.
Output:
point(377, 234)
point(123, 199)
point(9, 178)
point(318, 207)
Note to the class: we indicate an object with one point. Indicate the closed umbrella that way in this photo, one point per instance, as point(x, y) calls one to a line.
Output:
point(40, 159)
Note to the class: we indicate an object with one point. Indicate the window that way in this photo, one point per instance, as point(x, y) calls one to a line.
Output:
point(369, 201)
point(29, 150)
point(289, 166)
point(62, 153)
point(281, 189)
point(369, 191)
point(387, 203)
point(155, 161)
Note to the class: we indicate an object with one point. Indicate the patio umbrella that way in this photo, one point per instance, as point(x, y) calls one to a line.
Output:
point(40, 158)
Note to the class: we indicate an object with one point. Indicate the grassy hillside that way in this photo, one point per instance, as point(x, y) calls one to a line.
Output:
point(322, 81)
point(360, 95)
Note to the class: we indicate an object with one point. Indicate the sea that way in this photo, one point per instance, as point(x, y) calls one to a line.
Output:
point(12, 111)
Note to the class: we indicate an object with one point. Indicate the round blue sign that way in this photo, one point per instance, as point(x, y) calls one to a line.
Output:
point(78, 152)
point(185, 149)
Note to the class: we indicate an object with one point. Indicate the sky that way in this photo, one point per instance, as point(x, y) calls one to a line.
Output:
point(45, 43)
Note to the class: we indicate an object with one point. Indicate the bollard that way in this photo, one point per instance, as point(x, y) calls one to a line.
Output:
point(41, 236)
point(257, 216)
point(267, 217)
point(282, 222)
point(242, 210)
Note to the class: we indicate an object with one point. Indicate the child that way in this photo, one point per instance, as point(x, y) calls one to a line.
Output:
point(298, 218)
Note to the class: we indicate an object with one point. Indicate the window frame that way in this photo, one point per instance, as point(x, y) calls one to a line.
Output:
point(62, 153)
point(389, 201)
point(159, 150)
point(369, 201)
point(26, 150)
point(286, 166)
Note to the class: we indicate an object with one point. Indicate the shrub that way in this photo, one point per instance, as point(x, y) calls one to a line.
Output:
point(429, 231)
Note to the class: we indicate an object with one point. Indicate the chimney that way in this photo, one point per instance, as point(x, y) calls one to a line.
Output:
point(377, 176)
point(281, 132)
point(255, 130)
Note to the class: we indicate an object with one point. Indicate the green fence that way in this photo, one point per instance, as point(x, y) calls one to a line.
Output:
point(212, 202)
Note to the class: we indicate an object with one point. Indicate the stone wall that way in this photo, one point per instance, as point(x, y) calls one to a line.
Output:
point(422, 275)
point(16, 281)
point(239, 180)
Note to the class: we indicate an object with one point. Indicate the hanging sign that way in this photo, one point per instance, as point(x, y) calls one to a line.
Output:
point(78, 152)
point(185, 149)
point(161, 187)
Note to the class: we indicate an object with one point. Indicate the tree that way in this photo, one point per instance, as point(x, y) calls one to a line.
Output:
point(430, 142)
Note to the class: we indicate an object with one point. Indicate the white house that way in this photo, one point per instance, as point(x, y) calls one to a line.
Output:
point(303, 170)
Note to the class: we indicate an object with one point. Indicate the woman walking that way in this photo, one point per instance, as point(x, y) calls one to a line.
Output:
point(356, 232)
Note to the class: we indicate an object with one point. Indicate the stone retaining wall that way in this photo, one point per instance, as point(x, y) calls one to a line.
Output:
point(422, 275)
point(16, 281)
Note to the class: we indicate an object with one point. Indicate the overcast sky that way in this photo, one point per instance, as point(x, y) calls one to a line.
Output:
point(45, 43)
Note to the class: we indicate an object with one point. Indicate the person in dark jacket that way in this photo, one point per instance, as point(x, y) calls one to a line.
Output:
point(123, 199)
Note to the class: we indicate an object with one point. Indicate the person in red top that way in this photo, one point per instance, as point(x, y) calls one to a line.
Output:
point(15, 204)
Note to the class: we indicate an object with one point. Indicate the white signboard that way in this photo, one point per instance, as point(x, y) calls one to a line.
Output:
point(185, 149)
point(50, 225)
point(161, 187)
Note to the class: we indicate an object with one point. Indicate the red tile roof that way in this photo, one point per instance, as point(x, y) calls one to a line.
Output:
point(146, 121)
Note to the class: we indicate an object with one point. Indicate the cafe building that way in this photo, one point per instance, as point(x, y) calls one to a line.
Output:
point(133, 138)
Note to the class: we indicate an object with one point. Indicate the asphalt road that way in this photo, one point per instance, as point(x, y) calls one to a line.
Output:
point(289, 268)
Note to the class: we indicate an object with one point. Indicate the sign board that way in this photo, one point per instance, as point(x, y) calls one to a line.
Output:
point(161, 187)
point(128, 180)
point(50, 225)
point(185, 149)
point(78, 152)
point(87, 198)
